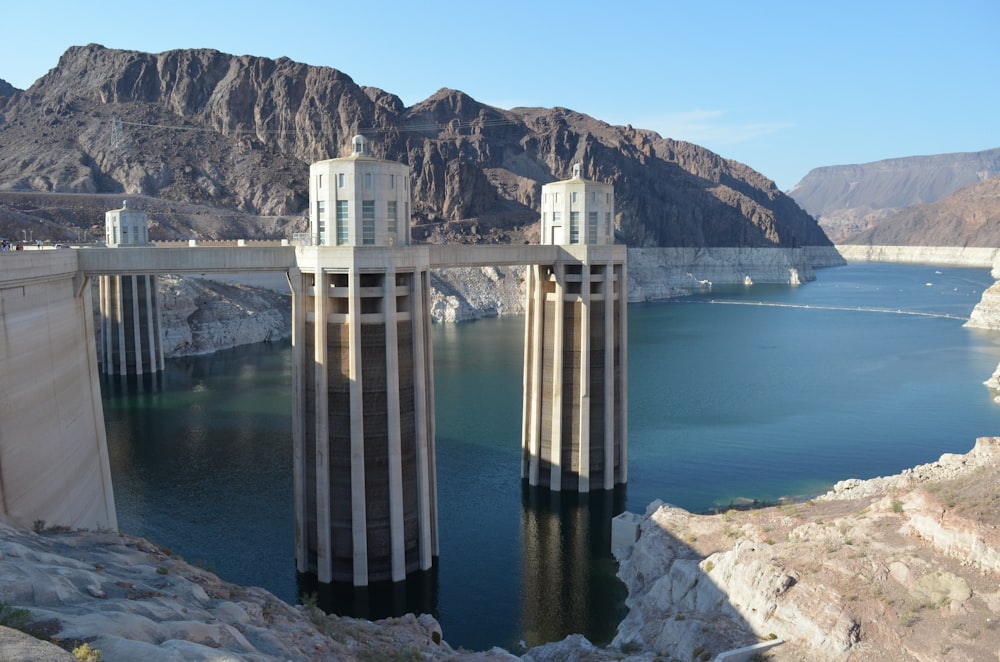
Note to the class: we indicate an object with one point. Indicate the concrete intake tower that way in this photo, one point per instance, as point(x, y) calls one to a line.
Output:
point(366, 491)
point(574, 434)
point(131, 337)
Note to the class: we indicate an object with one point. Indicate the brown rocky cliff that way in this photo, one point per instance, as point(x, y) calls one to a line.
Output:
point(238, 133)
point(968, 217)
point(852, 199)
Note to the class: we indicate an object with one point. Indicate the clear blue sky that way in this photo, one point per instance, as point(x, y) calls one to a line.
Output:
point(779, 85)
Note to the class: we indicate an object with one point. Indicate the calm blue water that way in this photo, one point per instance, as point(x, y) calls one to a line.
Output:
point(728, 401)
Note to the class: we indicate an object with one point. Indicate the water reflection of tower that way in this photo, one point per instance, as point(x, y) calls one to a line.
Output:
point(568, 572)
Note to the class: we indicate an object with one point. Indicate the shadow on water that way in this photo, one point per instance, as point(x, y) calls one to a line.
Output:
point(418, 594)
point(568, 580)
point(568, 571)
point(119, 386)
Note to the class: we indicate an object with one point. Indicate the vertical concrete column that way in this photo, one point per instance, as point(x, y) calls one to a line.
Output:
point(119, 317)
point(608, 292)
point(526, 406)
point(359, 513)
point(558, 318)
point(396, 532)
point(136, 329)
point(622, 358)
point(324, 543)
point(105, 303)
point(428, 387)
point(583, 395)
point(426, 486)
point(152, 339)
point(296, 285)
point(158, 324)
point(534, 343)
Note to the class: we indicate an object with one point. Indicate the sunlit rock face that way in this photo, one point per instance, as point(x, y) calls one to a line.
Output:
point(893, 568)
point(986, 314)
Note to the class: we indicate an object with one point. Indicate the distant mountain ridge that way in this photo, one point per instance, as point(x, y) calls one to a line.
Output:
point(237, 133)
point(968, 217)
point(850, 199)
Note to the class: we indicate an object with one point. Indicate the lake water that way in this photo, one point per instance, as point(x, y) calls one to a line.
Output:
point(748, 393)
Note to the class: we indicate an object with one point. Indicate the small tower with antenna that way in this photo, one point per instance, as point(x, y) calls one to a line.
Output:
point(131, 338)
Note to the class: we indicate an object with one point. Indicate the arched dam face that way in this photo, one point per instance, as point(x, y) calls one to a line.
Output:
point(53, 450)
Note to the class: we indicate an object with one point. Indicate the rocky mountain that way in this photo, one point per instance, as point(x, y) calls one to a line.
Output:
point(848, 199)
point(968, 217)
point(234, 135)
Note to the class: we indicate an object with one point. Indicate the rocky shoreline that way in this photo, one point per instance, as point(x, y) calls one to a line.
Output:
point(956, 256)
point(903, 567)
point(220, 311)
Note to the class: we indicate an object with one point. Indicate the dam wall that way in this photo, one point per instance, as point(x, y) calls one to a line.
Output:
point(53, 447)
point(953, 256)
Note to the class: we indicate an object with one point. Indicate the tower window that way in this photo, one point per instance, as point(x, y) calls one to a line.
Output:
point(368, 181)
point(342, 222)
point(321, 220)
point(574, 227)
point(591, 227)
point(392, 211)
point(340, 179)
point(368, 222)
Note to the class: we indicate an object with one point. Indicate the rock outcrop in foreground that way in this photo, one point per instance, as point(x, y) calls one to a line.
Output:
point(132, 600)
point(895, 568)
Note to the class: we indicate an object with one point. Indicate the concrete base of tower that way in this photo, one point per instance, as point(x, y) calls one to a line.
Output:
point(131, 335)
point(366, 487)
point(574, 434)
